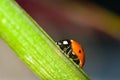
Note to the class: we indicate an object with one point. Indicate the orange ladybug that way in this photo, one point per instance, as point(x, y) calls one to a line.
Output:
point(74, 51)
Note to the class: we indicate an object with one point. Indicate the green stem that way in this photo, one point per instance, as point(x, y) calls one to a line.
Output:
point(33, 46)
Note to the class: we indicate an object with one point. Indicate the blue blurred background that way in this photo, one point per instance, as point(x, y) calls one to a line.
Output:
point(94, 24)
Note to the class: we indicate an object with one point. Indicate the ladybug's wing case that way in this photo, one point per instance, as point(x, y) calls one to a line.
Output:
point(79, 52)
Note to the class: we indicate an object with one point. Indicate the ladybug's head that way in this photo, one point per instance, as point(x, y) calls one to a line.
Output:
point(64, 44)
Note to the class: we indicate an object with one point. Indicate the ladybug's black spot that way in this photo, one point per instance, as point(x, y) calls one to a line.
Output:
point(79, 51)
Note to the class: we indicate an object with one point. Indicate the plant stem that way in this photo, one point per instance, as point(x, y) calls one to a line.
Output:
point(33, 46)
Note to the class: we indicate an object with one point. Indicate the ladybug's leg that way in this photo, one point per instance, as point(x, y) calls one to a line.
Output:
point(69, 52)
point(77, 61)
point(74, 58)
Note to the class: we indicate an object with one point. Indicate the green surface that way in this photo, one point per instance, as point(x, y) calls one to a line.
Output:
point(33, 46)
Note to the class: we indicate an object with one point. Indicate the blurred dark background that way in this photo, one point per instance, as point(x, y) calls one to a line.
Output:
point(112, 5)
point(95, 24)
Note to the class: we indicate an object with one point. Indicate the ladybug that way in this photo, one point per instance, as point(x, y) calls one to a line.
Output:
point(73, 50)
